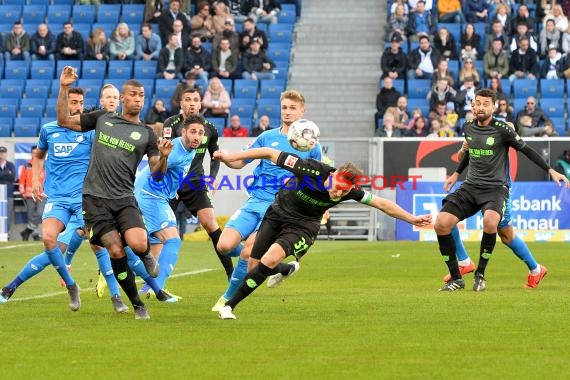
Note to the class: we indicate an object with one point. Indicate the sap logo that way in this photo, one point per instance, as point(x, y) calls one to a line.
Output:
point(64, 149)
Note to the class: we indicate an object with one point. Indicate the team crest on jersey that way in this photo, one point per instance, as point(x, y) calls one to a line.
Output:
point(275, 143)
point(55, 135)
point(290, 161)
point(79, 138)
point(490, 140)
point(136, 136)
point(63, 149)
point(109, 124)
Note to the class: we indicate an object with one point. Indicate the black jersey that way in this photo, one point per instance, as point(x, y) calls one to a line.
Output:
point(118, 148)
point(489, 152)
point(306, 197)
point(173, 128)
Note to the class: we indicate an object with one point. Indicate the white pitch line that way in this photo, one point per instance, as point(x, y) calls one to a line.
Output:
point(18, 246)
point(184, 274)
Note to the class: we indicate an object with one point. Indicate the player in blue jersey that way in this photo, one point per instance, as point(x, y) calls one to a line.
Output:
point(153, 193)
point(268, 179)
point(67, 161)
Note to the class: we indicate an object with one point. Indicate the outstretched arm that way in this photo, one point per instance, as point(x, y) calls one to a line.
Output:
point(395, 211)
point(255, 153)
point(64, 119)
point(539, 161)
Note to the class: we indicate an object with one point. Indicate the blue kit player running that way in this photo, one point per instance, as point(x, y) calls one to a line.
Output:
point(268, 179)
point(153, 193)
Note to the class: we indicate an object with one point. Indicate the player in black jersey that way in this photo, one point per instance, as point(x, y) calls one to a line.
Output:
point(194, 192)
point(486, 187)
point(291, 224)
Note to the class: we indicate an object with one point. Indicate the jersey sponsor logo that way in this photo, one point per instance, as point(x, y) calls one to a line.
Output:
point(135, 136)
point(275, 143)
point(63, 149)
point(476, 153)
point(490, 140)
point(290, 161)
point(55, 135)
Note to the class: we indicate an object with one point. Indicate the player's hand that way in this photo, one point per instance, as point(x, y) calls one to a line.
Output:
point(559, 178)
point(421, 220)
point(164, 146)
point(68, 76)
point(38, 194)
point(220, 155)
point(450, 182)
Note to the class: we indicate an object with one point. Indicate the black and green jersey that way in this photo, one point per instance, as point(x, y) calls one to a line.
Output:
point(489, 152)
point(118, 148)
point(305, 196)
point(173, 128)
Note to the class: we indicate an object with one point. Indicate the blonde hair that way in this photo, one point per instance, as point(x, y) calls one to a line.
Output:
point(294, 95)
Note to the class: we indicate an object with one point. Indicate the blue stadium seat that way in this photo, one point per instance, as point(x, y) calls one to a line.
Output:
point(418, 88)
point(219, 123)
point(453, 66)
point(243, 111)
point(120, 69)
point(76, 64)
point(552, 88)
point(552, 107)
point(399, 85)
point(26, 127)
point(145, 69)
point(422, 104)
point(10, 88)
point(281, 71)
point(91, 102)
point(6, 126)
point(287, 14)
point(133, 13)
point(45, 120)
point(37, 88)
point(454, 29)
point(164, 89)
point(262, 27)
point(245, 89)
point(34, 14)
point(271, 89)
point(51, 105)
point(109, 13)
point(31, 107)
point(10, 13)
point(84, 29)
point(228, 85)
point(523, 88)
point(94, 69)
point(115, 82)
point(54, 88)
point(269, 107)
point(148, 85)
point(92, 87)
point(16, 70)
point(9, 106)
point(83, 14)
point(280, 33)
point(507, 87)
point(279, 51)
point(107, 28)
point(243, 101)
point(518, 104)
point(39, 2)
point(247, 122)
point(58, 14)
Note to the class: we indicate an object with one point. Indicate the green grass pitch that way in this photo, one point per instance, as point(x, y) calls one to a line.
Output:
point(356, 310)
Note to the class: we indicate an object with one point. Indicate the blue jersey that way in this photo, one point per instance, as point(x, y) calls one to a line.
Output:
point(68, 154)
point(166, 185)
point(268, 176)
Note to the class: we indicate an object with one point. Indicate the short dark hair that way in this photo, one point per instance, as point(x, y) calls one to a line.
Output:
point(17, 23)
point(423, 36)
point(194, 119)
point(76, 90)
point(132, 83)
point(190, 90)
point(487, 93)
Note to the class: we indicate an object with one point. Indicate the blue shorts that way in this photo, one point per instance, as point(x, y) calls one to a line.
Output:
point(64, 209)
point(506, 221)
point(157, 214)
point(247, 219)
point(73, 225)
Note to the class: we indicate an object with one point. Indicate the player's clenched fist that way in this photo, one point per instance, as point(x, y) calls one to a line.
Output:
point(68, 76)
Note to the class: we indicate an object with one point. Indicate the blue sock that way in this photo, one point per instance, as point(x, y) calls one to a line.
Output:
point(167, 260)
point(32, 267)
point(519, 247)
point(56, 259)
point(236, 252)
point(137, 266)
point(104, 262)
point(460, 251)
point(238, 275)
point(72, 247)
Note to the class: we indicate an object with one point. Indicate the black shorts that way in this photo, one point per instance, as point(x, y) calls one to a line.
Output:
point(293, 235)
point(195, 198)
point(105, 215)
point(469, 199)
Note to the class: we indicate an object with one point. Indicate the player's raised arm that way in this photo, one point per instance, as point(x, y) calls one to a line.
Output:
point(390, 208)
point(64, 119)
point(255, 153)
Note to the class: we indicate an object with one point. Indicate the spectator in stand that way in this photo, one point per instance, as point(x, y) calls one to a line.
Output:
point(537, 118)
point(524, 62)
point(522, 17)
point(148, 44)
point(229, 33)
point(17, 44)
point(497, 32)
point(225, 61)
point(8, 177)
point(450, 11)
point(496, 85)
point(216, 101)
point(441, 91)
point(440, 111)
point(394, 61)
point(549, 67)
point(564, 66)
point(256, 64)
point(34, 209)
point(504, 111)
point(183, 38)
point(503, 15)
point(398, 23)
point(421, 22)
point(444, 42)
point(549, 36)
point(265, 11)
point(400, 113)
point(170, 60)
point(442, 72)
point(428, 4)
point(560, 20)
point(422, 61)
point(262, 126)
point(221, 14)
point(465, 96)
point(469, 71)
point(235, 129)
point(388, 128)
point(69, 43)
point(403, 3)
point(549, 130)
point(418, 129)
point(167, 18)
point(122, 43)
point(153, 11)
point(522, 32)
point(387, 97)
point(239, 15)
point(202, 23)
point(250, 32)
point(197, 59)
point(42, 44)
point(97, 46)
point(156, 115)
point(477, 11)
point(563, 163)
point(470, 43)
point(495, 61)
point(188, 83)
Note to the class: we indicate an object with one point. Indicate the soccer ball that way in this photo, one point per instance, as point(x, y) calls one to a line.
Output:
point(303, 135)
